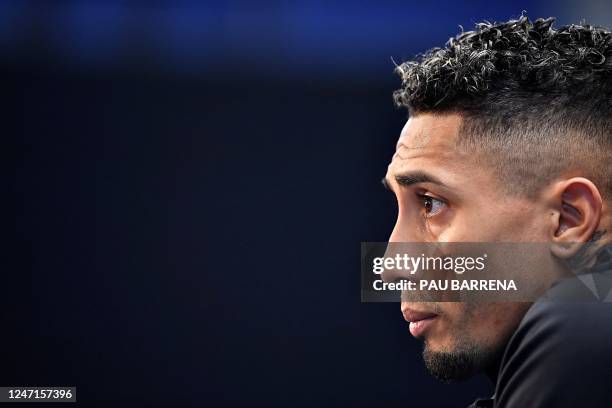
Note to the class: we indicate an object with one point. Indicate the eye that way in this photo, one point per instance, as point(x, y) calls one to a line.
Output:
point(432, 205)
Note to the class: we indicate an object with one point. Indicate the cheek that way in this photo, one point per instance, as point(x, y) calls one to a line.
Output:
point(445, 227)
point(517, 222)
point(483, 222)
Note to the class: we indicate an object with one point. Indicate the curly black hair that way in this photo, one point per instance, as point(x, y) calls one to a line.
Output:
point(518, 56)
point(529, 95)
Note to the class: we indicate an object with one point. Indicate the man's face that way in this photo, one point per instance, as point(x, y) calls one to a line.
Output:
point(446, 194)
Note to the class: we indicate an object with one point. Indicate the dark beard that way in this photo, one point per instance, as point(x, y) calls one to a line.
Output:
point(467, 359)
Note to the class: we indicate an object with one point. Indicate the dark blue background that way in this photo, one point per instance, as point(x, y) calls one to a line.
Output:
point(192, 182)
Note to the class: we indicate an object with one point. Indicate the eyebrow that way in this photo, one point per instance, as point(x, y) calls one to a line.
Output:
point(413, 177)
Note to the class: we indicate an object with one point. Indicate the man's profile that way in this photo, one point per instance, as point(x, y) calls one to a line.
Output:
point(509, 139)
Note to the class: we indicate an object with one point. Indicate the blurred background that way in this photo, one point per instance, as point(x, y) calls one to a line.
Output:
point(192, 184)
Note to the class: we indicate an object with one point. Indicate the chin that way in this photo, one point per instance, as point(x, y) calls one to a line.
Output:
point(439, 347)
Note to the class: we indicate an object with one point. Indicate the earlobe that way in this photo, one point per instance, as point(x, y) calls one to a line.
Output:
point(578, 204)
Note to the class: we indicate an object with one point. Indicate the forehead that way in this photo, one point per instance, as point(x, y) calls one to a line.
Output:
point(425, 130)
point(431, 138)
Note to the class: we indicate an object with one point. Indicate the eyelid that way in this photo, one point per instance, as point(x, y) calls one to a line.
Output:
point(427, 193)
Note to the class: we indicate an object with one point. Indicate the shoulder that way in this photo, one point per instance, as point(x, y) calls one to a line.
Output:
point(560, 355)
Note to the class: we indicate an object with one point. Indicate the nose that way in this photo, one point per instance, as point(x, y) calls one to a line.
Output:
point(396, 248)
point(401, 232)
point(395, 234)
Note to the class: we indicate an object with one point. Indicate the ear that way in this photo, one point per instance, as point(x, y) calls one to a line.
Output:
point(577, 208)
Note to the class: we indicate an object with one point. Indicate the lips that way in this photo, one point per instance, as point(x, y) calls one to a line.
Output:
point(419, 321)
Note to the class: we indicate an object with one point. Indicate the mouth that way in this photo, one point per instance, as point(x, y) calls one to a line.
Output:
point(419, 321)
